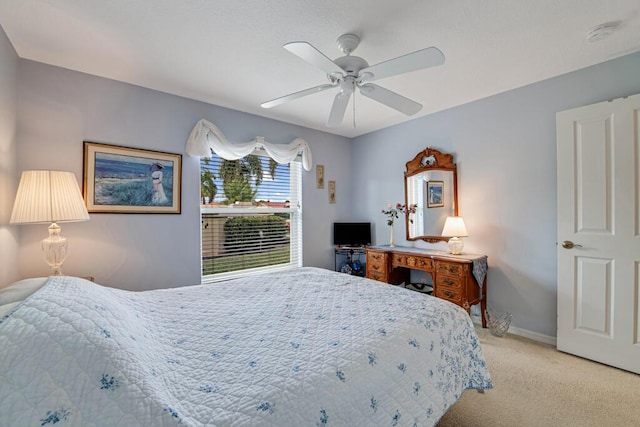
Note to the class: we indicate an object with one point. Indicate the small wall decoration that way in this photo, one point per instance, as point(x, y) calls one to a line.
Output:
point(319, 176)
point(435, 198)
point(130, 180)
point(332, 191)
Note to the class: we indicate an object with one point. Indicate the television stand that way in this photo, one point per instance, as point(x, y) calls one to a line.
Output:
point(352, 259)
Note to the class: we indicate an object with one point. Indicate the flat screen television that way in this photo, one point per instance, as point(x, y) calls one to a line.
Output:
point(351, 233)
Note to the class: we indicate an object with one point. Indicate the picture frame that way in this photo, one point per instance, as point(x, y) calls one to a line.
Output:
point(319, 176)
point(332, 191)
point(435, 194)
point(119, 179)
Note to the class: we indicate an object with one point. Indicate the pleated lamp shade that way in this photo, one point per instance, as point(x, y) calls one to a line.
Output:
point(48, 196)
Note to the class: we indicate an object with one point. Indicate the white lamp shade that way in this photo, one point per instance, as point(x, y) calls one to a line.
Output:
point(454, 227)
point(48, 196)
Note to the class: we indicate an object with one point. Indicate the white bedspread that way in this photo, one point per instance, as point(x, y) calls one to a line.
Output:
point(307, 348)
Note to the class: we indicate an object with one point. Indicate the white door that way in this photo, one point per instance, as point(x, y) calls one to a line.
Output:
point(599, 213)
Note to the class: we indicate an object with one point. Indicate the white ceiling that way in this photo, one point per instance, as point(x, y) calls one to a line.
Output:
point(229, 52)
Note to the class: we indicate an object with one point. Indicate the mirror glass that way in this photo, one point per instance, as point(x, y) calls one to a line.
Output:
point(430, 183)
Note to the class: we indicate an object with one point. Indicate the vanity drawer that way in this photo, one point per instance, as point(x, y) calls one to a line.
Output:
point(449, 268)
point(413, 262)
point(449, 282)
point(376, 263)
point(376, 267)
point(376, 275)
point(373, 256)
point(450, 294)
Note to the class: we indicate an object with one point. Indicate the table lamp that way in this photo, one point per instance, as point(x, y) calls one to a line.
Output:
point(49, 197)
point(454, 228)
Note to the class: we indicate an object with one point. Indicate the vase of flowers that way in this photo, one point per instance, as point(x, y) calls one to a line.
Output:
point(393, 213)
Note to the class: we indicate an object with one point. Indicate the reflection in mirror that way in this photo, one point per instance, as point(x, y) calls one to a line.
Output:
point(432, 191)
point(430, 183)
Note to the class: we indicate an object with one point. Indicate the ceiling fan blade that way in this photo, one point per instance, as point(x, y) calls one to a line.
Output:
point(296, 95)
point(418, 60)
point(338, 109)
point(390, 99)
point(314, 57)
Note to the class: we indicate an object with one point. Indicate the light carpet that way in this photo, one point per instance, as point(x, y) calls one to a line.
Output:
point(536, 385)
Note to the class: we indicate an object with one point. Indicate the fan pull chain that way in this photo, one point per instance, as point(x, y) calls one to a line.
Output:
point(354, 109)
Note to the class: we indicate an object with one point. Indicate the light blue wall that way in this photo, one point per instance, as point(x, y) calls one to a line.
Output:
point(59, 109)
point(9, 235)
point(505, 148)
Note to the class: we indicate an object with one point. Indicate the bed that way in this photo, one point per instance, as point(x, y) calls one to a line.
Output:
point(309, 347)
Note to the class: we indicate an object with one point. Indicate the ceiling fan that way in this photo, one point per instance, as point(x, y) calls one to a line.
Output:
point(350, 72)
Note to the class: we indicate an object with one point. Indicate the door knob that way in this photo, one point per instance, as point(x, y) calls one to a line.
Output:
point(568, 244)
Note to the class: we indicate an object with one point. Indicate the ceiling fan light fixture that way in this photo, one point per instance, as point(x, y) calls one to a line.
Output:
point(335, 78)
point(366, 89)
point(348, 84)
point(365, 76)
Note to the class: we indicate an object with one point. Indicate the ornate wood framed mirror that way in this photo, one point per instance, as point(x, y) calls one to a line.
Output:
point(431, 182)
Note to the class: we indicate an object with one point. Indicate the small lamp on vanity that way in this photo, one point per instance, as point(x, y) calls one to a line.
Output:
point(49, 197)
point(454, 228)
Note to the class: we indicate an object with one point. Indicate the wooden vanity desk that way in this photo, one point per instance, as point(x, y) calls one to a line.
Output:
point(460, 279)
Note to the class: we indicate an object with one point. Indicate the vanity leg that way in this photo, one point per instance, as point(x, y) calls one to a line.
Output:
point(483, 303)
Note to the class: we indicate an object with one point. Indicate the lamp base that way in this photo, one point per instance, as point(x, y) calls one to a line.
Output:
point(54, 249)
point(456, 245)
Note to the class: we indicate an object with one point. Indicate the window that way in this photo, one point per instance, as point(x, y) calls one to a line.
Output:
point(251, 216)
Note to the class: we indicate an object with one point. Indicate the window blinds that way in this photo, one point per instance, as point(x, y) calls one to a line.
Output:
point(251, 212)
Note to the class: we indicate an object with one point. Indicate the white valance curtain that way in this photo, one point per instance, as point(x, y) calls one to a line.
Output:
point(205, 136)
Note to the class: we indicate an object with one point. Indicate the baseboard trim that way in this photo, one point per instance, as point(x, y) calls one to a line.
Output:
point(535, 336)
point(525, 333)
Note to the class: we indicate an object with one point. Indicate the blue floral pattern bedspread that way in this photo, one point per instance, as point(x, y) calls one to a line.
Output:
point(304, 348)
